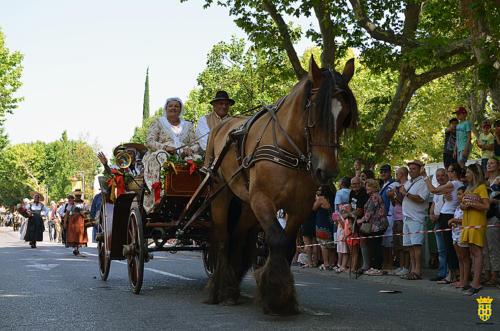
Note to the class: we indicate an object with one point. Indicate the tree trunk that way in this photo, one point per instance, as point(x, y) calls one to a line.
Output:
point(477, 101)
point(482, 41)
point(495, 90)
point(404, 92)
point(328, 34)
point(286, 41)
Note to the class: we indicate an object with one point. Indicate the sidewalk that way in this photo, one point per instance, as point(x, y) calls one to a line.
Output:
point(396, 283)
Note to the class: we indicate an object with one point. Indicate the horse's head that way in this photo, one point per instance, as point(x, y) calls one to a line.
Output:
point(332, 109)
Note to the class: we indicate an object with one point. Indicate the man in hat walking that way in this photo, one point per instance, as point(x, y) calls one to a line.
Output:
point(221, 104)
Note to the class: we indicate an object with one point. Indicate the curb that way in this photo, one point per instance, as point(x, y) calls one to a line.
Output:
point(396, 281)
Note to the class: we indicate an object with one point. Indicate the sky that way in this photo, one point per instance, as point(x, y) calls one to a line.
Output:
point(85, 62)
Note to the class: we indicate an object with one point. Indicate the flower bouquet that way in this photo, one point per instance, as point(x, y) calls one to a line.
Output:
point(22, 210)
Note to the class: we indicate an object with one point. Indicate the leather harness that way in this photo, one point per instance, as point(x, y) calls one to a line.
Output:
point(274, 153)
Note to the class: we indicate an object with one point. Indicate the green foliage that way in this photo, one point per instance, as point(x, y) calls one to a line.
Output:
point(145, 104)
point(38, 166)
point(410, 42)
point(244, 73)
point(249, 75)
point(10, 75)
point(437, 27)
point(141, 132)
point(10, 82)
point(421, 131)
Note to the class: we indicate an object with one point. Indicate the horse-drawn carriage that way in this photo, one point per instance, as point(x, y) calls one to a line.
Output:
point(127, 231)
point(273, 160)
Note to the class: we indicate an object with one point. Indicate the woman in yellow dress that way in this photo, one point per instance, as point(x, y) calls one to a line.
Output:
point(475, 203)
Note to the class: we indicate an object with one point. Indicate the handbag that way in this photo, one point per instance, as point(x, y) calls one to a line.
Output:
point(365, 228)
point(384, 223)
point(89, 222)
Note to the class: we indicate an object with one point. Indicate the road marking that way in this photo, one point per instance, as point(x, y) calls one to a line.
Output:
point(314, 313)
point(152, 270)
point(43, 266)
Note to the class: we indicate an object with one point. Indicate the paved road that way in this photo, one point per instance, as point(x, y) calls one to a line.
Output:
point(50, 289)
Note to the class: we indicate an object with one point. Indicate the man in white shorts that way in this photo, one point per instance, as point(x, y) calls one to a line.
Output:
point(414, 212)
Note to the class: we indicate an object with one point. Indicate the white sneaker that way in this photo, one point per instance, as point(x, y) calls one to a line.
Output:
point(397, 270)
point(403, 271)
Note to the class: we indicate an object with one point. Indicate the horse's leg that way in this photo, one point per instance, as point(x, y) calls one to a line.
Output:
point(223, 286)
point(243, 239)
point(275, 285)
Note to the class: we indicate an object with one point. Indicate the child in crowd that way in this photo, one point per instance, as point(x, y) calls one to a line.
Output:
point(485, 142)
point(463, 145)
point(349, 233)
point(461, 249)
point(341, 244)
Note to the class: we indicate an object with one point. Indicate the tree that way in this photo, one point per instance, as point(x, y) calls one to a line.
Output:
point(145, 104)
point(248, 74)
point(10, 75)
point(425, 46)
point(40, 166)
point(419, 42)
point(483, 20)
point(421, 131)
point(141, 132)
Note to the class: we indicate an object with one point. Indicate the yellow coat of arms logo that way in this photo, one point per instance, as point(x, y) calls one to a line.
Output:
point(484, 308)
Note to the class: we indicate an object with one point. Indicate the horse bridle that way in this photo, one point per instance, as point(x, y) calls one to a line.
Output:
point(310, 125)
point(275, 153)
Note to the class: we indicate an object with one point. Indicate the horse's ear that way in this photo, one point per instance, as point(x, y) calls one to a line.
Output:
point(315, 75)
point(348, 70)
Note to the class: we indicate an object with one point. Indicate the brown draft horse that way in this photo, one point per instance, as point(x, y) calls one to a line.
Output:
point(308, 124)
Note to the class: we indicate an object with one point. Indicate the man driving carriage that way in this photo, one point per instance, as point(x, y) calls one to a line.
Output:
point(221, 103)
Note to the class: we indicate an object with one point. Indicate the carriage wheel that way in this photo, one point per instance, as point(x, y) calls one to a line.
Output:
point(135, 260)
point(208, 262)
point(103, 260)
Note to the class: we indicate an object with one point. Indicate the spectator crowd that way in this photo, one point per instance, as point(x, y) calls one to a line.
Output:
point(376, 226)
point(366, 225)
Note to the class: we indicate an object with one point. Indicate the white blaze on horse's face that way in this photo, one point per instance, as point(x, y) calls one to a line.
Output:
point(336, 110)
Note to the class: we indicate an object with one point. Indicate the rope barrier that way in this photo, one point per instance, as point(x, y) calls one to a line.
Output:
point(407, 233)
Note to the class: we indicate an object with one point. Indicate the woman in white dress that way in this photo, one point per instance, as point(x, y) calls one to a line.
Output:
point(167, 134)
point(35, 227)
